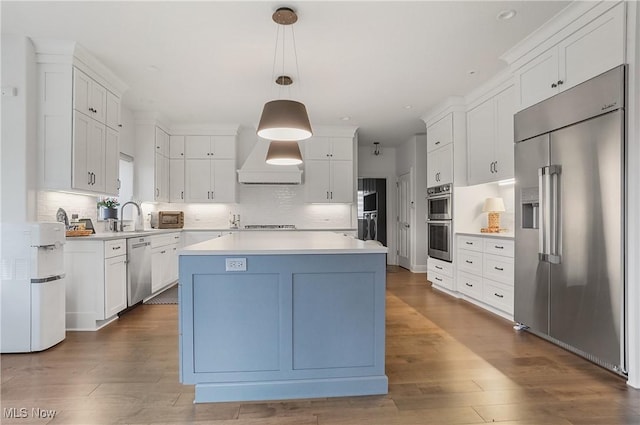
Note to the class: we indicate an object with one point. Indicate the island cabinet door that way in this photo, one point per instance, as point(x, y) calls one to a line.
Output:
point(287, 318)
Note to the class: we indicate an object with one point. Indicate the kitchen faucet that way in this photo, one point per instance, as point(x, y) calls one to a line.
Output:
point(121, 215)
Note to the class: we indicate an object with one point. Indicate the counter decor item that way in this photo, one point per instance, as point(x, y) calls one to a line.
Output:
point(108, 208)
point(493, 206)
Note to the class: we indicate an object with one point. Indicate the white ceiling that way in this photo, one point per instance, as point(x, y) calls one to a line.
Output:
point(213, 61)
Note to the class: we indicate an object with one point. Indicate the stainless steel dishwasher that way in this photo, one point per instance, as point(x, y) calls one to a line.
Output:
point(138, 269)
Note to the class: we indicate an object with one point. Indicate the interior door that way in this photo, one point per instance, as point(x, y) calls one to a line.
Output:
point(404, 220)
point(586, 290)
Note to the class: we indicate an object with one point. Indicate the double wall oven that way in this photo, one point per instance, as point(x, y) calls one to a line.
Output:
point(440, 222)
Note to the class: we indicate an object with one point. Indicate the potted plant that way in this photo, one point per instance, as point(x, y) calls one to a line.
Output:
point(108, 208)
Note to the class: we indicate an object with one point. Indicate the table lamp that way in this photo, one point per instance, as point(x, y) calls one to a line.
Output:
point(493, 206)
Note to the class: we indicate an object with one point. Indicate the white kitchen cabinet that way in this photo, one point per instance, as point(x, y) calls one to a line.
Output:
point(485, 272)
point(210, 147)
point(89, 97)
point(71, 110)
point(591, 50)
point(161, 178)
point(162, 142)
point(88, 154)
point(440, 274)
point(96, 282)
point(328, 181)
point(336, 148)
point(440, 133)
point(115, 292)
point(440, 166)
point(329, 174)
point(112, 119)
point(164, 260)
point(112, 161)
point(176, 180)
point(490, 139)
point(208, 180)
point(176, 147)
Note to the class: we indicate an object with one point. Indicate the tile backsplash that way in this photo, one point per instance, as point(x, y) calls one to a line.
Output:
point(83, 205)
point(262, 204)
point(259, 204)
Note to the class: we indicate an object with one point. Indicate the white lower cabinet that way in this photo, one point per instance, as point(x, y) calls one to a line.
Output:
point(485, 271)
point(96, 284)
point(440, 273)
point(164, 260)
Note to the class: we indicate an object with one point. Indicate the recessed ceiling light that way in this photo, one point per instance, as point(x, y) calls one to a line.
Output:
point(471, 72)
point(153, 68)
point(345, 118)
point(408, 106)
point(505, 15)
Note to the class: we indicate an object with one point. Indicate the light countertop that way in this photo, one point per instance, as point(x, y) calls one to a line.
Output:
point(278, 242)
point(505, 235)
point(106, 236)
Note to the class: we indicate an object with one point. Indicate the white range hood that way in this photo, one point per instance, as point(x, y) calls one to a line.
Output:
point(256, 171)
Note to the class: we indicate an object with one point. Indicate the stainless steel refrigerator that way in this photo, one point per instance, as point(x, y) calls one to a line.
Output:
point(569, 236)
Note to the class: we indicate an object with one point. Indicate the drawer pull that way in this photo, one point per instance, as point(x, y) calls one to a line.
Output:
point(468, 284)
point(498, 247)
point(438, 267)
point(163, 252)
point(469, 243)
point(468, 261)
point(500, 269)
point(498, 295)
point(438, 279)
point(115, 247)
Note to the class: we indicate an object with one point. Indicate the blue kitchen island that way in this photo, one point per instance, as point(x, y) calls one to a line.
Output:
point(282, 315)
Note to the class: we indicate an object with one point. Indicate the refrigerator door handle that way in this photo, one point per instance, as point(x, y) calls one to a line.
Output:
point(555, 214)
point(543, 220)
point(549, 214)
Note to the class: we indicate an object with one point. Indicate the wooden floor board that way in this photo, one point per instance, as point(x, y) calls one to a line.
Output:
point(448, 362)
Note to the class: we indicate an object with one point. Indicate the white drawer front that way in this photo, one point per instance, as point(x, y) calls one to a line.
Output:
point(498, 295)
point(470, 261)
point(470, 243)
point(161, 240)
point(440, 280)
point(499, 247)
point(470, 285)
point(498, 268)
point(115, 247)
point(440, 267)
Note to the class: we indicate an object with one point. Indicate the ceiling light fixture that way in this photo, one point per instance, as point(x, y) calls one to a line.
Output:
point(284, 153)
point(284, 119)
point(505, 15)
point(376, 148)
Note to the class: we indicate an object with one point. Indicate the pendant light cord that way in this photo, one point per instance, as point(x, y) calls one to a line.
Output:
point(275, 58)
point(295, 55)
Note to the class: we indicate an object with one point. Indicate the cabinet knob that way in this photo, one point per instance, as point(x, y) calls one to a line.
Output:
point(554, 85)
point(560, 82)
point(120, 125)
point(438, 142)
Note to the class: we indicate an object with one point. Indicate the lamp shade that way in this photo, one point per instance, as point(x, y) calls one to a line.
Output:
point(284, 153)
point(284, 120)
point(493, 205)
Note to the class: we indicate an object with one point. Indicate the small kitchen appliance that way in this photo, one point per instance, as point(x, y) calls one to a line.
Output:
point(167, 220)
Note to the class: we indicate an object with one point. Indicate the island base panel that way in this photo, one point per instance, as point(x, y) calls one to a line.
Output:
point(284, 390)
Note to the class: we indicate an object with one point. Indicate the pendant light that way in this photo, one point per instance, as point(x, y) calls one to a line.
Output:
point(284, 153)
point(284, 119)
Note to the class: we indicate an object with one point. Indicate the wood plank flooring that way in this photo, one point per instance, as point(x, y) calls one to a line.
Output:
point(448, 362)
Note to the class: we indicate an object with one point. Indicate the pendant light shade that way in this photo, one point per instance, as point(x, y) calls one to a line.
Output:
point(283, 152)
point(284, 120)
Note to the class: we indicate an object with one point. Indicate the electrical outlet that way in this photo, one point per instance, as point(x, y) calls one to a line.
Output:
point(235, 264)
